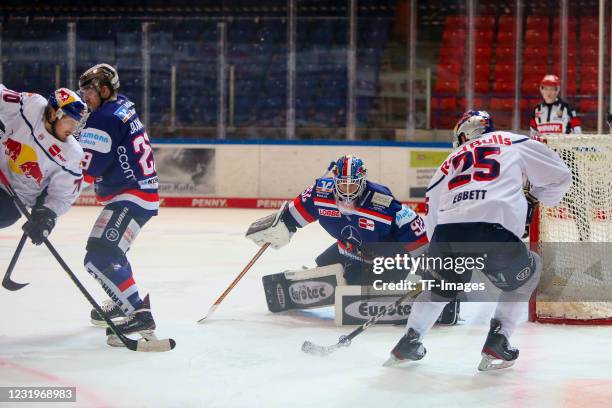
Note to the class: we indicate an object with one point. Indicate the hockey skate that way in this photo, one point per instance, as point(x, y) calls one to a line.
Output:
point(497, 352)
point(409, 348)
point(111, 310)
point(141, 322)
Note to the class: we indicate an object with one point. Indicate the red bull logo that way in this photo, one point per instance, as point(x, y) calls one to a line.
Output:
point(23, 160)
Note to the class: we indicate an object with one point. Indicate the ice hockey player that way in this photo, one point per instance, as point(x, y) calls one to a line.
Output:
point(363, 217)
point(553, 115)
point(476, 196)
point(40, 157)
point(119, 157)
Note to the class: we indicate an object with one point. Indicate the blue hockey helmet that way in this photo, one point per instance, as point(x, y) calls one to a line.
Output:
point(472, 125)
point(66, 102)
point(349, 178)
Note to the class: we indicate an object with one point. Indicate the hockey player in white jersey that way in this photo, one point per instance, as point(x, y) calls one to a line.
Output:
point(39, 156)
point(476, 198)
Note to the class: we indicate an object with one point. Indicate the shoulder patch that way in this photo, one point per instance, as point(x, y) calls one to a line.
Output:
point(124, 113)
point(325, 186)
point(404, 216)
point(95, 139)
point(382, 199)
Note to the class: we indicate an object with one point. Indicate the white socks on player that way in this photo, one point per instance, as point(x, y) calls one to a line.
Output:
point(424, 313)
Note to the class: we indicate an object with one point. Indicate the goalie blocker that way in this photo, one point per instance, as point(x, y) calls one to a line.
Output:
point(326, 286)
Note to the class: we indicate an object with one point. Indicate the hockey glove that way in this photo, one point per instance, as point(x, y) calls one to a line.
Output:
point(271, 229)
point(40, 225)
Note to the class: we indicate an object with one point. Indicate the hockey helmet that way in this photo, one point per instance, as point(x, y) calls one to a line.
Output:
point(472, 125)
point(98, 76)
point(63, 101)
point(349, 178)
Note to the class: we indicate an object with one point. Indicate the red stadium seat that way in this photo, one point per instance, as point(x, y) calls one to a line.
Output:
point(505, 38)
point(504, 69)
point(504, 54)
point(453, 36)
point(571, 69)
point(588, 72)
point(531, 85)
point(454, 21)
point(571, 54)
point(482, 85)
point(535, 52)
point(484, 38)
point(483, 69)
point(485, 52)
point(444, 103)
point(537, 69)
point(502, 104)
point(485, 22)
point(589, 56)
point(506, 23)
point(447, 86)
point(533, 36)
point(537, 22)
point(503, 86)
point(588, 87)
point(587, 105)
point(502, 120)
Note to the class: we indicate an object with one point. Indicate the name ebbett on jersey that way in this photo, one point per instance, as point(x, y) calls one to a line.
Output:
point(404, 262)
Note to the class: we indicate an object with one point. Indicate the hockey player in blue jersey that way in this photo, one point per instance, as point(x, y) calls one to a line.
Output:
point(119, 157)
point(363, 217)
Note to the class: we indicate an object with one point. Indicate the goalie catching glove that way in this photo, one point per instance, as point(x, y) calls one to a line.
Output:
point(271, 229)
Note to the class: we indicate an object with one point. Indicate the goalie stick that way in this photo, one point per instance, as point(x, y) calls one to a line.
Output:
point(7, 282)
point(345, 340)
point(134, 345)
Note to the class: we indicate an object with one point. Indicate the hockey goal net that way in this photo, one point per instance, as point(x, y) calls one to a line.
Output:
point(574, 238)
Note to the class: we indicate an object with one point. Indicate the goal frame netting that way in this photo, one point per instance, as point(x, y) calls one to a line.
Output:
point(573, 313)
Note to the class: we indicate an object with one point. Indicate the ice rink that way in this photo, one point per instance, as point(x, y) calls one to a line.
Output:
point(247, 357)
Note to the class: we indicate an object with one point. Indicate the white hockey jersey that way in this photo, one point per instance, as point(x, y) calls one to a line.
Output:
point(32, 159)
point(482, 181)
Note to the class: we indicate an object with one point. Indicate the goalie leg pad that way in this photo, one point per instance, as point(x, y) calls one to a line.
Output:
point(305, 289)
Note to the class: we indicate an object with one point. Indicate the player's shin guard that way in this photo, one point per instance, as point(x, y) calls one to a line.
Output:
point(115, 276)
point(511, 305)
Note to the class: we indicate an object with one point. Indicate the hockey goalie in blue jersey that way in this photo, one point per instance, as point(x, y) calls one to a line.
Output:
point(362, 216)
point(119, 157)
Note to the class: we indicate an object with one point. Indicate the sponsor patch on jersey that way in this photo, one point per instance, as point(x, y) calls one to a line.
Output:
point(382, 199)
point(150, 183)
point(124, 113)
point(325, 187)
point(550, 128)
point(366, 224)
point(404, 216)
point(95, 139)
point(329, 213)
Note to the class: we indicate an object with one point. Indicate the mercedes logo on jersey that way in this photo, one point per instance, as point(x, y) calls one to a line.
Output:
point(352, 235)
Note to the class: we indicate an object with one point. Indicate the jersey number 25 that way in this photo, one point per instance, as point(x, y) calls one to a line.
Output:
point(487, 168)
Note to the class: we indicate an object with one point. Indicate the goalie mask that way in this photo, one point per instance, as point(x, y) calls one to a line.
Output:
point(349, 180)
point(472, 125)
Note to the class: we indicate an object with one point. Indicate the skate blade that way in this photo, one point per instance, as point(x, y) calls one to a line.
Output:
point(102, 323)
point(146, 335)
point(393, 361)
point(490, 363)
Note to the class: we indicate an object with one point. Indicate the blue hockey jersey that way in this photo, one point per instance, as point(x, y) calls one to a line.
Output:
point(377, 217)
point(119, 156)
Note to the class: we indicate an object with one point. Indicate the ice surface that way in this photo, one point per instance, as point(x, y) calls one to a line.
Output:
point(244, 356)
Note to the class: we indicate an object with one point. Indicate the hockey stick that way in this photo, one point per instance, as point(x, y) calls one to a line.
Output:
point(235, 282)
point(7, 283)
point(134, 345)
point(345, 340)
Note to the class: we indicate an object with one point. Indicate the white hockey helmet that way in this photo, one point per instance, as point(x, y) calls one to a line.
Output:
point(472, 125)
